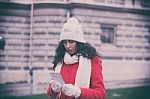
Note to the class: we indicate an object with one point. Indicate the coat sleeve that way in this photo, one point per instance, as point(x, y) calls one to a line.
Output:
point(50, 94)
point(97, 89)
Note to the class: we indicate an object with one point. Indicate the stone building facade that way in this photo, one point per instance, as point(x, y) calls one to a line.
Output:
point(118, 29)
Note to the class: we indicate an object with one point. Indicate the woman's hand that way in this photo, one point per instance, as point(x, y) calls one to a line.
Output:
point(71, 90)
point(56, 86)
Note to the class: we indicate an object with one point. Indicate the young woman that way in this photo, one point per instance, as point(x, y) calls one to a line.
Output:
point(79, 64)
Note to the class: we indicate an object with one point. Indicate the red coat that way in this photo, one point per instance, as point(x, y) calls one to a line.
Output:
point(96, 90)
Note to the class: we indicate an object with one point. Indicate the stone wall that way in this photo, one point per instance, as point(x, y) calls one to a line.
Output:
point(48, 21)
point(129, 57)
point(14, 27)
point(132, 36)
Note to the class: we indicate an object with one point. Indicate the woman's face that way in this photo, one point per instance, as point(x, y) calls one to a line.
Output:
point(70, 46)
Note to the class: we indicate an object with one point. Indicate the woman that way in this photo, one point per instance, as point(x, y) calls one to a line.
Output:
point(79, 64)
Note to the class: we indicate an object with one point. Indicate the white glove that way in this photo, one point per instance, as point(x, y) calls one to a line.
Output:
point(56, 86)
point(71, 90)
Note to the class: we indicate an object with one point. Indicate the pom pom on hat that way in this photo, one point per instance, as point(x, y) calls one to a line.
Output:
point(72, 30)
point(73, 21)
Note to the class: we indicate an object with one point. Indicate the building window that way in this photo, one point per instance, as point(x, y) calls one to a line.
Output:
point(145, 3)
point(108, 33)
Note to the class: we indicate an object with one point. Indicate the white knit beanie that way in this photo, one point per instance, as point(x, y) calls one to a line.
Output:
point(72, 30)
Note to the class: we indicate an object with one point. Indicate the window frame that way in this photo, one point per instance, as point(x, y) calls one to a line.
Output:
point(114, 26)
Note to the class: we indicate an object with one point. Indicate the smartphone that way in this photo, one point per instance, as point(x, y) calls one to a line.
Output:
point(57, 77)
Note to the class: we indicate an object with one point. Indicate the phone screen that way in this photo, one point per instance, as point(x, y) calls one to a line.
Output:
point(57, 77)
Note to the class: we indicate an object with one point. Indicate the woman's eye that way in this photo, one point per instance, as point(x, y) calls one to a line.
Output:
point(71, 41)
point(64, 42)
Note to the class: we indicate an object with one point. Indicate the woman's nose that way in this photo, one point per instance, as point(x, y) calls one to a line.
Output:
point(68, 44)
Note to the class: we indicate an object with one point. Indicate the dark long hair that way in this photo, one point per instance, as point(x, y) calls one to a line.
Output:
point(84, 49)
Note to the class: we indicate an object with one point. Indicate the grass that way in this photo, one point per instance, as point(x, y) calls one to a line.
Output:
point(123, 93)
point(42, 96)
point(129, 93)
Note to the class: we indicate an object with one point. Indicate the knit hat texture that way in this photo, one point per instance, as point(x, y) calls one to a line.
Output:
point(72, 30)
